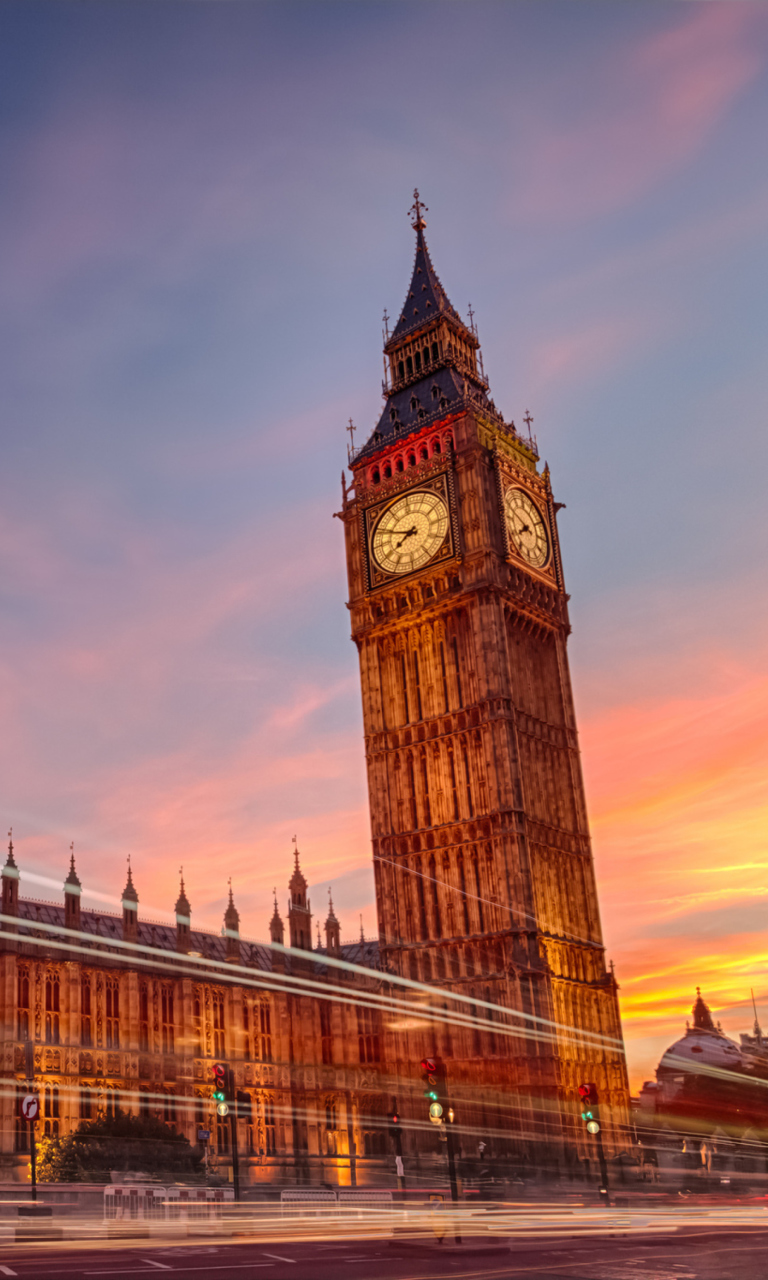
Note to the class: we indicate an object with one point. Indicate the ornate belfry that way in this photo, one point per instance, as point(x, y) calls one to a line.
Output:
point(484, 873)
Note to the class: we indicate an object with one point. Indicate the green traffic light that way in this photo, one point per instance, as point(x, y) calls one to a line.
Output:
point(218, 1096)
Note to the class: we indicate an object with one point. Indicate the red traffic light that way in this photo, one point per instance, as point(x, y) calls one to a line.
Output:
point(219, 1072)
point(588, 1093)
point(429, 1065)
point(395, 1118)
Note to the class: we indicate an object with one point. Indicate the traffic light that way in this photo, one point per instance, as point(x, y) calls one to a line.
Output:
point(434, 1076)
point(429, 1076)
point(219, 1082)
point(244, 1107)
point(589, 1103)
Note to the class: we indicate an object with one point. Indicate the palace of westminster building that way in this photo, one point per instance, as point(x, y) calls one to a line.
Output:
point(489, 954)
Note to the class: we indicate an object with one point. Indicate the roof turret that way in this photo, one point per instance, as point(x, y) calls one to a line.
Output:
point(276, 926)
point(129, 892)
point(72, 883)
point(10, 862)
point(231, 915)
point(297, 881)
point(182, 907)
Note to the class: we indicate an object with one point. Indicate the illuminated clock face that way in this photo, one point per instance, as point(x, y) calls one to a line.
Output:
point(527, 531)
point(410, 532)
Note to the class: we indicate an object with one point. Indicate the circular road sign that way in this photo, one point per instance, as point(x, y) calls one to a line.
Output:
point(222, 1109)
point(30, 1107)
point(435, 1111)
point(593, 1127)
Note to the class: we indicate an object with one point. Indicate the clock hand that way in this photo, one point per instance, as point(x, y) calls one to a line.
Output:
point(409, 534)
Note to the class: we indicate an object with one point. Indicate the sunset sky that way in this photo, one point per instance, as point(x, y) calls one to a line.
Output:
point(203, 216)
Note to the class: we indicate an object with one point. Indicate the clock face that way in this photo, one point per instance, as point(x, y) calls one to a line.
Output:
point(527, 531)
point(410, 532)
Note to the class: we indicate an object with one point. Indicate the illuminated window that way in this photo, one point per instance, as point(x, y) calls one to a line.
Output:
point(367, 1035)
point(166, 1007)
point(86, 1022)
point(22, 1029)
point(218, 1024)
point(112, 1001)
point(144, 1017)
point(52, 1008)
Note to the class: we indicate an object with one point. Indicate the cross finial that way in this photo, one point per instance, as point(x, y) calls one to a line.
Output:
point(528, 420)
point(385, 321)
point(417, 209)
point(471, 317)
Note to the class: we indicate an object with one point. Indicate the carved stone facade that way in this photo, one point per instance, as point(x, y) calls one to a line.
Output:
point(134, 1015)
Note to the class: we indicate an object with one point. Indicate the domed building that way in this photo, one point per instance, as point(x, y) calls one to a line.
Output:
point(705, 1079)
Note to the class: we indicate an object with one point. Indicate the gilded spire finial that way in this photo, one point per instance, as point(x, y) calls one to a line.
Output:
point(417, 209)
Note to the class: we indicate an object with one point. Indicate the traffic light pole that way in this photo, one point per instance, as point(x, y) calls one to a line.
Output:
point(603, 1165)
point(30, 1065)
point(233, 1130)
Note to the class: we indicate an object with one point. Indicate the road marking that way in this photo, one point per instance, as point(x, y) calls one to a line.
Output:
point(7, 1271)
point(143, 1271)
point(278, 1256)
point(161, 1266)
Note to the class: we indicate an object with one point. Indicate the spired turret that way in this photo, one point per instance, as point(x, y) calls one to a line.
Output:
point(183, 917)
point(232, 929)
point(332, 931)
point(72, 891)
point(276, 926)
point(432, 358)
point(130, 909)
point(299, 913)
point(10, 877)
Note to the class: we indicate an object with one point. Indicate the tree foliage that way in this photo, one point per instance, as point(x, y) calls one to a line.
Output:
point(121, 1143)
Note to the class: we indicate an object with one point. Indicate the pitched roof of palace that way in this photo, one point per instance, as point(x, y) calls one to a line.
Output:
point(106, 928)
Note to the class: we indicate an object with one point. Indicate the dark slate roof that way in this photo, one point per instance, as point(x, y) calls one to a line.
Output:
point(458, 393)
point(426, 296)
point(106, 927)
point(364, 953)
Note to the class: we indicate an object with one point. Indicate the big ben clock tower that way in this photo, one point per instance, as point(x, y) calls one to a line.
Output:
point(484, 875)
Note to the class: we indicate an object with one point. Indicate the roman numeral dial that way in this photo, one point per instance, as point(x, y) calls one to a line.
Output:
point(526, 528)
point(410, 532)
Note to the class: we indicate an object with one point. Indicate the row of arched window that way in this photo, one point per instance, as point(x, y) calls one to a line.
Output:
point(421, 358)
point(436, 444)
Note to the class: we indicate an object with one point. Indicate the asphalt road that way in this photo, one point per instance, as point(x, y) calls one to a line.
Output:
point(739, 1254)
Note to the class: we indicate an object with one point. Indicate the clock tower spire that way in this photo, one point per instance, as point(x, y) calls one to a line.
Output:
point(482, 859)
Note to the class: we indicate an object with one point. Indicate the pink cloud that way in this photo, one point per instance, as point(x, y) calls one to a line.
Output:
point(667, 96)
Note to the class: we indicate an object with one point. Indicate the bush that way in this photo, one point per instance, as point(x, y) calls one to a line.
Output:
point(120, 1143)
